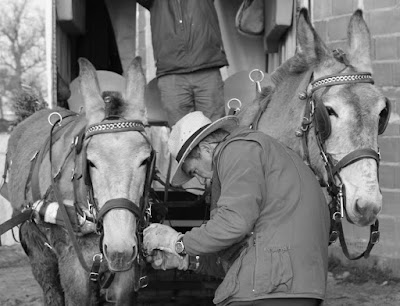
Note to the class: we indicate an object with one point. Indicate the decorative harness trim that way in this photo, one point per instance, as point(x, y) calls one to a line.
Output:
point(110, 127)
point(341, 79)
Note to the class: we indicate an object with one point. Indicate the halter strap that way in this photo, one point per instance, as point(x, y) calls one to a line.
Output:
point(120, 203)
point(354, 156)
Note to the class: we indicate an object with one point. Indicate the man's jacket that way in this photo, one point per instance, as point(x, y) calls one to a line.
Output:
point(186, 35)
point(262, 189)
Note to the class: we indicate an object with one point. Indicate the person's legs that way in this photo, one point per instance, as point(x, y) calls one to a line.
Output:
point(176, 96)
point(279, 302)
point(208, 89)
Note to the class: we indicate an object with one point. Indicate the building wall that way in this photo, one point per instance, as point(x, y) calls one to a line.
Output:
point(330, 18)
point(5, 206)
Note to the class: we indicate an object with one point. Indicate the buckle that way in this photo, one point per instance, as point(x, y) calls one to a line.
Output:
point(375, 237)
point(94, 276)
point(333, 236)
point(143, 282)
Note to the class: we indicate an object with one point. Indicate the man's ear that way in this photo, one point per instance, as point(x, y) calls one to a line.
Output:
point(205, 146)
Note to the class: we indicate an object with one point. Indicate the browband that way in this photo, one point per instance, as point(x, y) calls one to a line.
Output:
point(339, 79)
point(116, 126)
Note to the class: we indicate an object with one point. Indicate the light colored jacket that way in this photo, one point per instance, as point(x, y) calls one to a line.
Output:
point(268, 192)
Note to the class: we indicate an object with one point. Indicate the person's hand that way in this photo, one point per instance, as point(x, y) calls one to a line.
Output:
point(161, 237)
point(165, 261)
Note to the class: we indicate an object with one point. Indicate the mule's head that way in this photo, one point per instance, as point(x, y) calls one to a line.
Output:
point(354, 113)
point(117, 161)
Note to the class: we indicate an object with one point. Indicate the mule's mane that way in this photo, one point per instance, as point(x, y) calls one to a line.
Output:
point(295, 65)
point(115, 104)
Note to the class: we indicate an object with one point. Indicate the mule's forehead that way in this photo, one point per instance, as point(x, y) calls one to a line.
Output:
point(117, 144)
point(363, 98)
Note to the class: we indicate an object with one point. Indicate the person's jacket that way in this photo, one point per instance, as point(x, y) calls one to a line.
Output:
point(265, 193)
point(185, 34)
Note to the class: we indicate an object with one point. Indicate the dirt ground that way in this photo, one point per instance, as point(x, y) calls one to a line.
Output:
point(347, 286)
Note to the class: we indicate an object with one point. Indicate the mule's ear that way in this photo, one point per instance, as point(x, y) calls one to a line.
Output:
point(90, 90)
point(309, 44)
point(134, 91)
point(359, 43)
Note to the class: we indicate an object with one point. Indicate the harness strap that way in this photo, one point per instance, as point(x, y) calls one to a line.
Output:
point(63, 210)
point(16, 220)
point(118, 203)
point(94, 284)
point(337, 231)
point(35, 187)
point(29, 178)
point(4, 187)
point(354, 156)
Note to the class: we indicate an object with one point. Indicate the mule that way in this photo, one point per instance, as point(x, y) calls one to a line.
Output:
point(324, 106)
point(95, 163)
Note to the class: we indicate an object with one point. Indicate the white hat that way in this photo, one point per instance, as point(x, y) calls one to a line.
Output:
point(187, 133)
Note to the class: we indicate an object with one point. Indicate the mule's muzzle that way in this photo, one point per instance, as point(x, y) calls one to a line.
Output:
point(367, 213)
point(120, 261)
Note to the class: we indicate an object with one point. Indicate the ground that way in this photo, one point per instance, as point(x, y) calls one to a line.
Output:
point(347, 286)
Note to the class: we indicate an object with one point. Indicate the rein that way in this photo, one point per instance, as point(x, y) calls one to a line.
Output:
point(315, 112)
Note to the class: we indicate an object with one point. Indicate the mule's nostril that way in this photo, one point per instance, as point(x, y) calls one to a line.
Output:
point(359, 210)
point(377, 210)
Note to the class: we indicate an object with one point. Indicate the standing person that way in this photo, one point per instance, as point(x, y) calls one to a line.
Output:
point(188, 53)
point(269, 228)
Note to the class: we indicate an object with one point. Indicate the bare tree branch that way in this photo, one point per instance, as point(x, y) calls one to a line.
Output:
point(22, 44)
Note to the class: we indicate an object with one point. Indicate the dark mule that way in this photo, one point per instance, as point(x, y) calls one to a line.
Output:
point(98, 162)
point(325, 107)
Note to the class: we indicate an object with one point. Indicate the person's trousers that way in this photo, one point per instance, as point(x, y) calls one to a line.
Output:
point(279, 302)
point(201, 90)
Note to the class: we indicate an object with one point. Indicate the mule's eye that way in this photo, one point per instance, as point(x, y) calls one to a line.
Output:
point(331, 112)
point(90, 164)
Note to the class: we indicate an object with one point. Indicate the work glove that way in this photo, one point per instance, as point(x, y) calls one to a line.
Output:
point(165, 261)
point(160, 237)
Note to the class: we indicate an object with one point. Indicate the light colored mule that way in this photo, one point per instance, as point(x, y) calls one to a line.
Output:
point(116, 162)
point(355, 111)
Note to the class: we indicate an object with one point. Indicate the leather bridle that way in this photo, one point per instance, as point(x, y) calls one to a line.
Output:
point(315, 113)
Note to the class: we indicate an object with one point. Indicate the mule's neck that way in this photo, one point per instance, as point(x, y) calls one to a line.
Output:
point(285, 110)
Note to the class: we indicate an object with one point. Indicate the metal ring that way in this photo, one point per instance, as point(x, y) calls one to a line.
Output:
point(337, 216)
point(234, 99)
point(260, 72)
point(57, 114)
point(100, 255)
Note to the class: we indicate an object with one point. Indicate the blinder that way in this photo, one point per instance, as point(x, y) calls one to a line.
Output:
point(384, 117)
point(322, 122)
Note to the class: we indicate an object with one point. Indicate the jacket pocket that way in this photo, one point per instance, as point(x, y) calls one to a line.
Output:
point(229, 285)
point(273, 269)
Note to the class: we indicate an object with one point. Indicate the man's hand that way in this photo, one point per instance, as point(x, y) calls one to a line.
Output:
point(165, 261)
point(160, 237)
